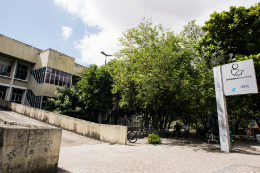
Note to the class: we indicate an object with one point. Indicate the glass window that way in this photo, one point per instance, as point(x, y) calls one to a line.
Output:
point(68, 84)
point(47, 78)
point(57, 77)
point(49, 69)
point(64, 81)
point(24, 67)
point(2, 92)
point(53, 71)
point(52, 79)
point(21, 72)
point(57, 80)
point(5, 70)
point(69, 76)
point(17, 95)
point(61, 81)
point(13, 97)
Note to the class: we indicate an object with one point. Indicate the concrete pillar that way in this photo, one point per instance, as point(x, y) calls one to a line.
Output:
point(23, 97)
point(6, 94)
point(13, 70)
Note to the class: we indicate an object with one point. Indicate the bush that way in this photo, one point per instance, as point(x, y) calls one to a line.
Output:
point(154, 139)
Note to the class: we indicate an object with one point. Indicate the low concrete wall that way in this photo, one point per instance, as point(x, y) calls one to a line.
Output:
point(103, 132)
point(24, 149)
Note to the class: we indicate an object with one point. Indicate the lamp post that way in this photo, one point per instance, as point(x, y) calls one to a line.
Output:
point(106, 56)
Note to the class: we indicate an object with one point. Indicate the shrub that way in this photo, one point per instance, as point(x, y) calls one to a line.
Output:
point(154, 139)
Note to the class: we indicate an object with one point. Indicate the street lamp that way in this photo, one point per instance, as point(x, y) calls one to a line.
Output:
point(106, 56)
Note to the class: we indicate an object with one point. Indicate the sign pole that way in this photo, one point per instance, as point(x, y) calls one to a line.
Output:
point(224, 135)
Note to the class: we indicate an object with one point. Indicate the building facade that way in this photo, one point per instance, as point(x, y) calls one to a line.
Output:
point(30, 76)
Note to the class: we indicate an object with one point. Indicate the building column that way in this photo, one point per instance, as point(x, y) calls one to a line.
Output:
point(23, 97)
point(7, 96)
point(9, 91)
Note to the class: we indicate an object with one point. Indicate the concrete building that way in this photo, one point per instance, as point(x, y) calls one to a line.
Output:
point(29, 75)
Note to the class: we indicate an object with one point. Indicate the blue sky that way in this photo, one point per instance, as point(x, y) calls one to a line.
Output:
point(96, 25)
point(38, 23)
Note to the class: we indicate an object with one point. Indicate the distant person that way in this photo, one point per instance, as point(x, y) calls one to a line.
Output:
point(186, 130)
point(177, 129)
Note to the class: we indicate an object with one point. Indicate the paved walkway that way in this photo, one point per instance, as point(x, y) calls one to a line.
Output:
point(80, 154)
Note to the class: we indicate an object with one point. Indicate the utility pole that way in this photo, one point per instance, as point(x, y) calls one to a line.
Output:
point(106, 56)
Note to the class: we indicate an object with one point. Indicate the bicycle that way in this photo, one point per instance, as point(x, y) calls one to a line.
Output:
point(132, 136)
point(154, 131)
point(164, 133)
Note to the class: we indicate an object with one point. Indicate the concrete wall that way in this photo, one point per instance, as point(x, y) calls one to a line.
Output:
point(27, 148)
point(103, 132)
point(18, 49)
point(19, 83)
point(5, 80)
point(77, 69)
point(43, 88)
point(42, 60)
point(61, 62)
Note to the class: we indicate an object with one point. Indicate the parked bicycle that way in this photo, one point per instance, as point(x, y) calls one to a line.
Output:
point(164, 133)
point(132, 136)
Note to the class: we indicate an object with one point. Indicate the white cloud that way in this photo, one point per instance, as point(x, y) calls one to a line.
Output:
point(115, 16)
point(66, 32)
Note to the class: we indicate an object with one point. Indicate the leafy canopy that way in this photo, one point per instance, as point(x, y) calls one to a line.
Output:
point(235, 32)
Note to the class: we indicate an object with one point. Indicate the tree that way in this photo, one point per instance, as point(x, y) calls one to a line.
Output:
point(153, 68)
point(201, 95)
point(235, 32)
point(95, 90)
point(68, 103)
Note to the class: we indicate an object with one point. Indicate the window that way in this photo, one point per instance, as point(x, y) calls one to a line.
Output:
point(2, 92)
point(39, 74)
point(57, 77)
point(21, 72)
point(34, 101)
point(17, 95)
point(5, 70)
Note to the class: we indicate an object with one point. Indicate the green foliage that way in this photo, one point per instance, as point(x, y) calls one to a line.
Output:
point(69, 102)
point(234, 32)
point(95, 90)
point(154, 139)
point(154, 71)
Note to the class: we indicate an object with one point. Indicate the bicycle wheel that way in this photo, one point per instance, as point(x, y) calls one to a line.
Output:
point(131, 136)
point(140, 134)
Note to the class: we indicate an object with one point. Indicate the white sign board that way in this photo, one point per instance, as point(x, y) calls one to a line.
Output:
point(239, 78)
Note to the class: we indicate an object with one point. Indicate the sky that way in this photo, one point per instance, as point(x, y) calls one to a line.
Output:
point(83, 28)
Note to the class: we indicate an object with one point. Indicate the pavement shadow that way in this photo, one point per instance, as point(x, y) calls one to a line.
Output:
point(60, 170)
point(242, 147)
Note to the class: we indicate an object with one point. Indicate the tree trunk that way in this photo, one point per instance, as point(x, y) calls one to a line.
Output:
point(161, 122)
point(108, 118)
point(169, 124)
point(237, 125)
point(165, 121)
